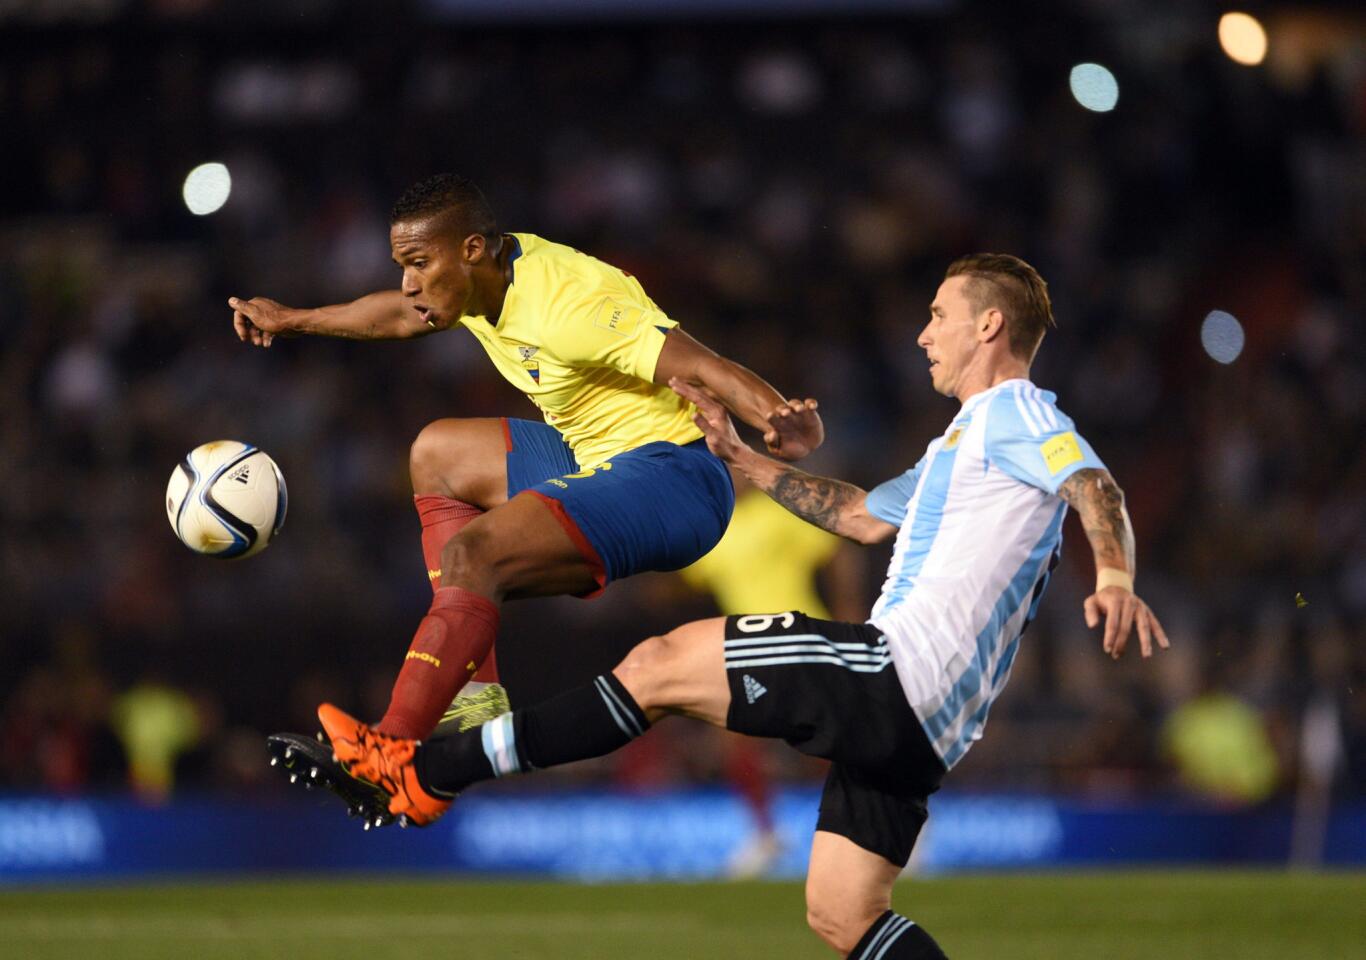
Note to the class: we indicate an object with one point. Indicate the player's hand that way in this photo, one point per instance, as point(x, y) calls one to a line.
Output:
point(1123, 612)
point(259, 321)
point(795, 429)
point(712, 419)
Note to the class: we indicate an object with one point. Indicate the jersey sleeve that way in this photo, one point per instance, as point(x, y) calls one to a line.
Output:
point(608, 321)
point(887, 501)
point(1030, 439)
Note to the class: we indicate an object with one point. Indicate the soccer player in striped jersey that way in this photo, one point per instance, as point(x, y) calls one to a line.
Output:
point(616, 480)
point(894, 702)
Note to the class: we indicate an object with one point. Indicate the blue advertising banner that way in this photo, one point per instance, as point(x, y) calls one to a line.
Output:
point(605, 835)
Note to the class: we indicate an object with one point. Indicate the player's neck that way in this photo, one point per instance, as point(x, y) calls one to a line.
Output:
point(491, 280)
point(981, 380)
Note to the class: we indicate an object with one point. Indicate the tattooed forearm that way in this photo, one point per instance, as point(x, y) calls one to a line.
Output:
point(1100, 504)
point(815, 499)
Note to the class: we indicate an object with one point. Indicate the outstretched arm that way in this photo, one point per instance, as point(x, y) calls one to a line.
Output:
point(833, 505)
point(1099, 502)
point(378, 316)
point(791, 428)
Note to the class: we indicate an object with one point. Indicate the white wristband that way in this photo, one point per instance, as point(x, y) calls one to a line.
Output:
point(1110, 577)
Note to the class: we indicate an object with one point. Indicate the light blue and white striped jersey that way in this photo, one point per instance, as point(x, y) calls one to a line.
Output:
point(980, 530)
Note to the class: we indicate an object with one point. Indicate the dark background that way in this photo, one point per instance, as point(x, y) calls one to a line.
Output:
point(791, 190)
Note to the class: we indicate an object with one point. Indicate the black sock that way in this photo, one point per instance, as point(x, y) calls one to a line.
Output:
point(587, 722)
point(893, 937)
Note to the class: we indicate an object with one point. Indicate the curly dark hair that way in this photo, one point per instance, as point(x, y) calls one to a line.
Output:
point(442, 192)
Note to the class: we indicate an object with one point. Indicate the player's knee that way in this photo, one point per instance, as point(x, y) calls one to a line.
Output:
point(838, 918)
point(460, 458)
point(646, 670)
point(430, 457)
point(840, 930)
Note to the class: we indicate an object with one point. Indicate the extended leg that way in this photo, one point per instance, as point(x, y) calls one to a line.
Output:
point(680, 672)
point(690, 671)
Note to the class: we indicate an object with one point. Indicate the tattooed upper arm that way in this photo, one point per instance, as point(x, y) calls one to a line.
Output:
point(1086, 482)
point(1099, 502)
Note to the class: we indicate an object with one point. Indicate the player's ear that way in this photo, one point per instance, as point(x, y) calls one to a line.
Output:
point(991, 324)
point(473, 248)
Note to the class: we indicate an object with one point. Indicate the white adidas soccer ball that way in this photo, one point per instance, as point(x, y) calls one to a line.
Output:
point(226, 499)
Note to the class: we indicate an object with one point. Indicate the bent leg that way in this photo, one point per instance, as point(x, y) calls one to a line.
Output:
point(517, 549)
point(464, 459)
point(458, 469)
point(523, 548)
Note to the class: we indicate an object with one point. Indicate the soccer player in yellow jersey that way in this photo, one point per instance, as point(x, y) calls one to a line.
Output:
point(617, 480)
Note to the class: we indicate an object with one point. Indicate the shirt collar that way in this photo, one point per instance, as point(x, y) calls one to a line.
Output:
point(977, 398)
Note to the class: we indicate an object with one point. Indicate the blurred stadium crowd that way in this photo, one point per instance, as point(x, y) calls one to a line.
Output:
point(792, 193)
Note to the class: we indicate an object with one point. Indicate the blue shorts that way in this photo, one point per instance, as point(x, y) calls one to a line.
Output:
point(658, 507)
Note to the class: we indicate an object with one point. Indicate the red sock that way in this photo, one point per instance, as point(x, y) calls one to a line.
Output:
point(455, 635)
point(442, 518)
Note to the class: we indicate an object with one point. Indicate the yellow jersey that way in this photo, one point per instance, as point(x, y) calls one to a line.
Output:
point(581, 339)
point(766, 562)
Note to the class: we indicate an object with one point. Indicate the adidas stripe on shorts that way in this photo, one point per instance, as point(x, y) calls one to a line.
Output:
point(830, 690)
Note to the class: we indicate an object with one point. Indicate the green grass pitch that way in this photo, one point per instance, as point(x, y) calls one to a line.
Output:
point(1095, 916)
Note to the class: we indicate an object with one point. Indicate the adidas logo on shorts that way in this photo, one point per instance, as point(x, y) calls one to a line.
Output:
point(753, 689)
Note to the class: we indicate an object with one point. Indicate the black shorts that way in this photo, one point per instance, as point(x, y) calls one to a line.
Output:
point(830, 690)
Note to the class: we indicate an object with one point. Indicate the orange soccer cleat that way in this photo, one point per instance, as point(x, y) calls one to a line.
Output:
point(385, 761)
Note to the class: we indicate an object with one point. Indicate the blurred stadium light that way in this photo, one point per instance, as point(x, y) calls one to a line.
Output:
point(1222, 336)
point(1094, 87)
point(206, 188)
point(1243, 38)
